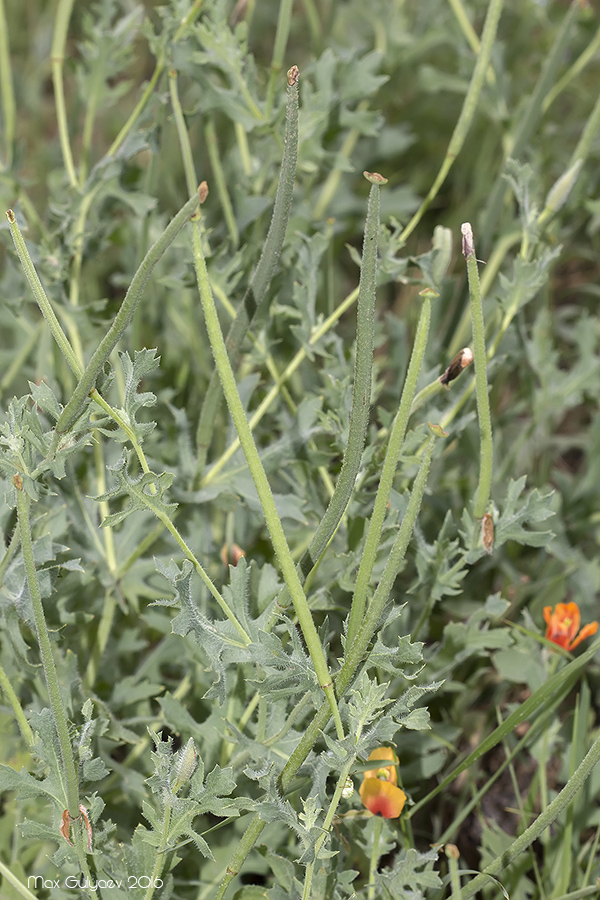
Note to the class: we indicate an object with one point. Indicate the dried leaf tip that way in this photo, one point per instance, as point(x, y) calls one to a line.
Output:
point(10, 216)
point(202, 191)
point(293, 75)
point(375, 178)
point(18, 482)
point(468, 245)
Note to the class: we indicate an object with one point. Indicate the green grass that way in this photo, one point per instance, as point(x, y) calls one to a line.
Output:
point(255, 365)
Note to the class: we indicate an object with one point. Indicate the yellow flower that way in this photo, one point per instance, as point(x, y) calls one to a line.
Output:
point(562, 625)
point(379, 791)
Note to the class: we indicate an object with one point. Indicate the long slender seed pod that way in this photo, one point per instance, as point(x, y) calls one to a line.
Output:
point(486, 447)
point(132, 298)
point(255, 299)
point(361, 395)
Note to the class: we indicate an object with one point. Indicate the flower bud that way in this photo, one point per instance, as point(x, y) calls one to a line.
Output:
point(560, 190)
point(185, 765)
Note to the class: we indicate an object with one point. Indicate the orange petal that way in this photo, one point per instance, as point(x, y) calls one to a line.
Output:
point(585, 632)
point(383, 772)
point(382, 797)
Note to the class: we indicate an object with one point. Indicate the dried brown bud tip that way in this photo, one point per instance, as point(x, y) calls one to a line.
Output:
point(202, 191)
point(462, 359)
point(231, 555)
point(487, 533)
point(468, 245)
point(375, 178)
point(18, 482)
point(10, 216)
point(293, 75)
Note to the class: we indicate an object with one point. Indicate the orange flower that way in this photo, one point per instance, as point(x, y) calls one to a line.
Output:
point(562, 625)
point(379, 791)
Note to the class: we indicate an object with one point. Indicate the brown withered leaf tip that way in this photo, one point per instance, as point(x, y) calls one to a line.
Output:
point(18, 482)
point(202, 191)
point(487, 533)
point(459, 362)
point(10, 216)
point(65, 826)
point(293, 75)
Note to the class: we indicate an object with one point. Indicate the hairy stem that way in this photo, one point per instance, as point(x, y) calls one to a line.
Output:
point(486, 447)
point(261, 482)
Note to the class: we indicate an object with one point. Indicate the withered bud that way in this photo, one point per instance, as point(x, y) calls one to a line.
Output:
point(468, 244)
point(293, 75)
point(462, 359)
point(231, 554)
point(202, 191)
point(18, 482)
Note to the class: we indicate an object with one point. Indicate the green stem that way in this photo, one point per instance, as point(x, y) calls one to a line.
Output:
point(133, 296)
point(335, 800)
point(387, 474)
point(331, 185)
point(20, 356)
point(9, 553)
point(160, 853)
point(9, 692)
point(528, 121)
point(573, 71)
point(210, 136)
point(56, 701)
point(148, 501)
point(40, 296)
point(147, 93)
point(261, 482)
point(543, 821)
point(182, 133)
point(256, 297)
point(281, 379)
point(19, 888)
point(361, 395)
point(467, 112)
point(374, 860)
point(57, 55)
point(9, 107)
point(78, 237)
point(584, 145)
point(498, 255)
point(486, 447)
point(284, 22)
point(149, 89)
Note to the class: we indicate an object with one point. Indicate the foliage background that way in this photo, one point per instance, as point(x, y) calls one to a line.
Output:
point(381, 88)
